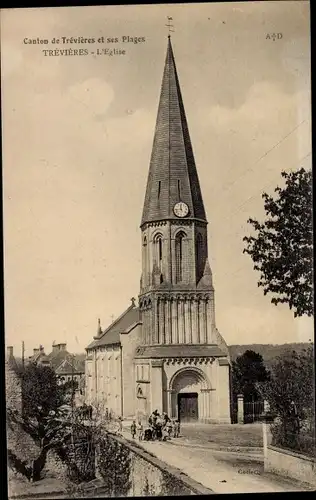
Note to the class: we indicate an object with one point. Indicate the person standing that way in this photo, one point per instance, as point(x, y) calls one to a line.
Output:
point(140, 431)
point(133, 429)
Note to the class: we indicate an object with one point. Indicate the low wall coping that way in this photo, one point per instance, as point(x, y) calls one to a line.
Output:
point(293, 453)
point(181, 476)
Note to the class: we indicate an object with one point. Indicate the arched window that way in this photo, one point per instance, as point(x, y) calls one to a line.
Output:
point(158, 251)
point(145, 265)
point(199, 255)
point(179, 256)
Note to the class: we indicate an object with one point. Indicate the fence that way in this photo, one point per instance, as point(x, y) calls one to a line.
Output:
point(234, 412)
point(253, 411)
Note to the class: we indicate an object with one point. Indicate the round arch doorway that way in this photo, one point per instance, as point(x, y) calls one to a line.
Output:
point(189, 389)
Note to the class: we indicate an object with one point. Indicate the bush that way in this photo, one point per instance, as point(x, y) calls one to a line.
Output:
point(300, 442)
point(114, 466)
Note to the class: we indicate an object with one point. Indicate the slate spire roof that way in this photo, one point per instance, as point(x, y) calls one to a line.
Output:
point(172, 172)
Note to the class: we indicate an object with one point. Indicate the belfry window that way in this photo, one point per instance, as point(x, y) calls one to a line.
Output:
point(179, 256)
point(199, 255)
point(158, 250)
point(159, 189)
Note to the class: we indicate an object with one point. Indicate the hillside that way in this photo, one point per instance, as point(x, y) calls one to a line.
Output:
point(268, 351)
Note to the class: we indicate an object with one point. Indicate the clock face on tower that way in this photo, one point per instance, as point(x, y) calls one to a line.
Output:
point(181, 209)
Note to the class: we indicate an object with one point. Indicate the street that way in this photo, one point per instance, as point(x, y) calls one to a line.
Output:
point(224, 458)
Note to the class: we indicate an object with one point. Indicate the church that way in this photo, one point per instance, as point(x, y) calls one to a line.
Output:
point(166, 353)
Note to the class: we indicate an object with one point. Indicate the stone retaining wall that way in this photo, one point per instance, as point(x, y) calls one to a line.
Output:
point(122, 469)
point(290, 464)
point(149, 476)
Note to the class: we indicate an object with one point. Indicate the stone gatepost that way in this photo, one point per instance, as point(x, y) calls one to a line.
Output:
point(240, 408)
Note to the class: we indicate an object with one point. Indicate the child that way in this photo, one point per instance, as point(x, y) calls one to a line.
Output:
point(140, 431)
point(176, 428)
point(120, 419)
point(169, 428)
point(133, 429)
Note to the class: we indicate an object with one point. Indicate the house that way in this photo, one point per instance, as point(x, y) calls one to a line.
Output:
point(66, 366)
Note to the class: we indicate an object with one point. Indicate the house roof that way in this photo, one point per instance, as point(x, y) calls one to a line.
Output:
point(179, 351)
point(57, 359)
point(112, 334)
point(13, 365)
point(172, 173)
point(66, 368)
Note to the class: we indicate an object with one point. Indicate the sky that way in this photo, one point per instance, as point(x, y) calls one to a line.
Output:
point(77, 137)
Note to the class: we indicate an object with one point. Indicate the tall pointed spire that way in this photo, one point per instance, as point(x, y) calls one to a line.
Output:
point(172, 173)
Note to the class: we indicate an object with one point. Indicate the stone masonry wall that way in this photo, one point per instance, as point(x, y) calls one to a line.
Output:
point(142, 474)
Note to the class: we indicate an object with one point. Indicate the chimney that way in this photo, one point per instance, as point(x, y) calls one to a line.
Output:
point(41, 348)
point(36, 351)
point(10, 351)
point(62, 347)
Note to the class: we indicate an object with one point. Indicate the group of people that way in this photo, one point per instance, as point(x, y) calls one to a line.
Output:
point(159, 427)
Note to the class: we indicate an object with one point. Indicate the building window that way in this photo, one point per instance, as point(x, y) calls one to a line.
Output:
point(179, 256)
point(159, 189)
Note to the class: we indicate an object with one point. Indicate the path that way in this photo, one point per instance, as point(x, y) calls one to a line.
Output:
point(217, 472)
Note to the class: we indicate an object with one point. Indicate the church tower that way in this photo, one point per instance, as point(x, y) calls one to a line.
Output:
point(184, 357)
point(177, 294)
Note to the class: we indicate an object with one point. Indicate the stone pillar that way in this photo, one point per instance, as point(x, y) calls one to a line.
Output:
point(190, 321)
point(212, 309)
point(195, 324)
point(204, 304)
point(169, 409)
point(181, 321)
point(149, 323)
point(240, 408)
point(187, 327)
point(202, 405)
point(174, 332)
point(169, 337)
point(209, 326)
point(156, 321)
point(200, 322)
point(144, 320)
point(164, 322)
point(161, 321)
point(208, 404)
point(156, 385)
point(167, 322)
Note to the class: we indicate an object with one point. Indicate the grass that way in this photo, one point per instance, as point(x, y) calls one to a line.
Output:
point(243, 435)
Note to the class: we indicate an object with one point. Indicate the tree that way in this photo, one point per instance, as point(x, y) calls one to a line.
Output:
point(290, 393)
point(39, 388)
point(44, 417)
point(282, 248)
point(47, 430)
point(247, 371)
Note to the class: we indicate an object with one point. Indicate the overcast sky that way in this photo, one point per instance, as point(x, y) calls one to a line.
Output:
point(77, 138)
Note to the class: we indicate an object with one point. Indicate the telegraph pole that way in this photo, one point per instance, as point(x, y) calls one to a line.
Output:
point(72, 399)
point(23, 350)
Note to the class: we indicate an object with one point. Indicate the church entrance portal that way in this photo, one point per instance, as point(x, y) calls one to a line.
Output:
point(189, 395)
point(188, 407)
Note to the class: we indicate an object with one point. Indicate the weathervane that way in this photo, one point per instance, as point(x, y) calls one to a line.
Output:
point(170, 26)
